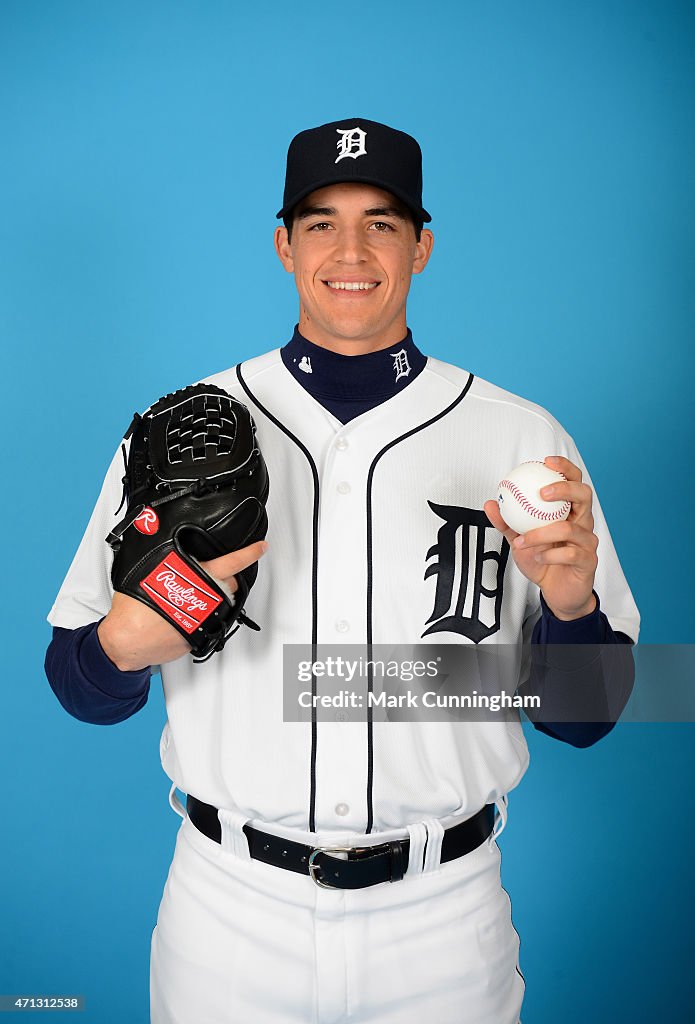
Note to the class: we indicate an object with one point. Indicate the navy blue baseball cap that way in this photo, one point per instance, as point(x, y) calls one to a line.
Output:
point(354, 150)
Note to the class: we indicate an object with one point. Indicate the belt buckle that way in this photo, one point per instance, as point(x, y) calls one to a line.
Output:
point(328, 849)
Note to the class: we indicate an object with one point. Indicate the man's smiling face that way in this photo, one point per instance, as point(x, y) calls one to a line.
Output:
point(353, 253)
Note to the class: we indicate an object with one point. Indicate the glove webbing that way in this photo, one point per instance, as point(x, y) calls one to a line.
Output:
point(190, 436)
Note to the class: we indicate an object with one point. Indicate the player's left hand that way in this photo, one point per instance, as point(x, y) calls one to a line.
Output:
point(561, 557)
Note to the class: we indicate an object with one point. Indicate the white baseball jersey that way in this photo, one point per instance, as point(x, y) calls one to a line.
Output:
point(376, 535)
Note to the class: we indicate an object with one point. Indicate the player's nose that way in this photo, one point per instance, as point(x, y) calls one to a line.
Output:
point(351, 246)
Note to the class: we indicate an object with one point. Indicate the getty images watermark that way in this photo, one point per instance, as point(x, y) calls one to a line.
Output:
point(341, 670)
point(488, 682)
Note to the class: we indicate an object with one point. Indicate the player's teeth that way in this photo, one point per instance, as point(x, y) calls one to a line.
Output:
point(352, 286)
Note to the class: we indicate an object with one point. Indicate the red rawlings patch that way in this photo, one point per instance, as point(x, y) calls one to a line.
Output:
point(147, 522)
point(182, 595)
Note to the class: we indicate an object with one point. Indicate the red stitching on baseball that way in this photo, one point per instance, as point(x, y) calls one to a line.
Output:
point(549, 517)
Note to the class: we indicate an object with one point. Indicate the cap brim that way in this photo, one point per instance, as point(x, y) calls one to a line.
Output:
point(419, 212)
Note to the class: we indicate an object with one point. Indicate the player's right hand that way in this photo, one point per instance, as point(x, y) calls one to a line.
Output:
point(134, 636)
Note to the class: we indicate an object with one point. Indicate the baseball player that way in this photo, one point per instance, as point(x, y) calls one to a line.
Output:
point(330, 871)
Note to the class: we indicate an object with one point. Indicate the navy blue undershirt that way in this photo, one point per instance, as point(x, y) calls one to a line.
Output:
point(349, 385)
point(91, 688)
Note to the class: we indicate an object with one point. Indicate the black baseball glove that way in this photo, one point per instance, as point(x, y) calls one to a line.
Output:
point(195, 485)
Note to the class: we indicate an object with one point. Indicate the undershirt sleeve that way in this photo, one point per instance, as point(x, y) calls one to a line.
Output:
point(600, 683)
point(87, 683)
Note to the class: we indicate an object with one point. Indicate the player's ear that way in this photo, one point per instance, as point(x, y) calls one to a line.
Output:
point(423, 250)
point(284, 249)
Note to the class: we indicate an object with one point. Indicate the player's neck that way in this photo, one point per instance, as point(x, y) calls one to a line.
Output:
point(345, 345)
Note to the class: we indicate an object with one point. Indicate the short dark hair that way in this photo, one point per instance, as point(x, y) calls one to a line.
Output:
point(288, 221)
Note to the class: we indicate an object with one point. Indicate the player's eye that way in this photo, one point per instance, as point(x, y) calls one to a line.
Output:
point(319, 226)
point(383, 227)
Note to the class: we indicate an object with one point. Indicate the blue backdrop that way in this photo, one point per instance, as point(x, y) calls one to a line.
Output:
point(143, 149)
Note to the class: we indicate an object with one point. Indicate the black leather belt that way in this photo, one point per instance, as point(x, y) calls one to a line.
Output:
point(365, 865)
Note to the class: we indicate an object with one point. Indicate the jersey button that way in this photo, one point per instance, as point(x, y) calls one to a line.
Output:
point(344, 487)
point(342, 625)
point(342, 443)
point(342, 809)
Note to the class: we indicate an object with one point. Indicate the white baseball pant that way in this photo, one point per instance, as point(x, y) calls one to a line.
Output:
point(242, 942)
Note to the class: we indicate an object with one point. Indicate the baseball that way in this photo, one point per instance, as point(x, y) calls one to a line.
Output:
point(520, 502)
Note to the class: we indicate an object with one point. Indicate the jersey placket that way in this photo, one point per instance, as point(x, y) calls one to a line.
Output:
point(341, 756)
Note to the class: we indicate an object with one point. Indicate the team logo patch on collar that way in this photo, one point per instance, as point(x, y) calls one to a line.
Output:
point(351, 143)
point(401, 365)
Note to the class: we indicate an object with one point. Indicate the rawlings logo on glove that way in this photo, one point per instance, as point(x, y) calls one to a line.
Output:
point(196, 485)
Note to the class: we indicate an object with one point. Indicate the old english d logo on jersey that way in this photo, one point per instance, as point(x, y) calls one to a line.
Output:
point(181, 594)
point(464, 553)
point(351, 143)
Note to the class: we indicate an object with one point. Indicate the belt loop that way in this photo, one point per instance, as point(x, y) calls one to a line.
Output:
point(501, 816)
point(433, 850)
point(234, 839)
point(175, 802)
point(396, 861)
point(418, 837)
